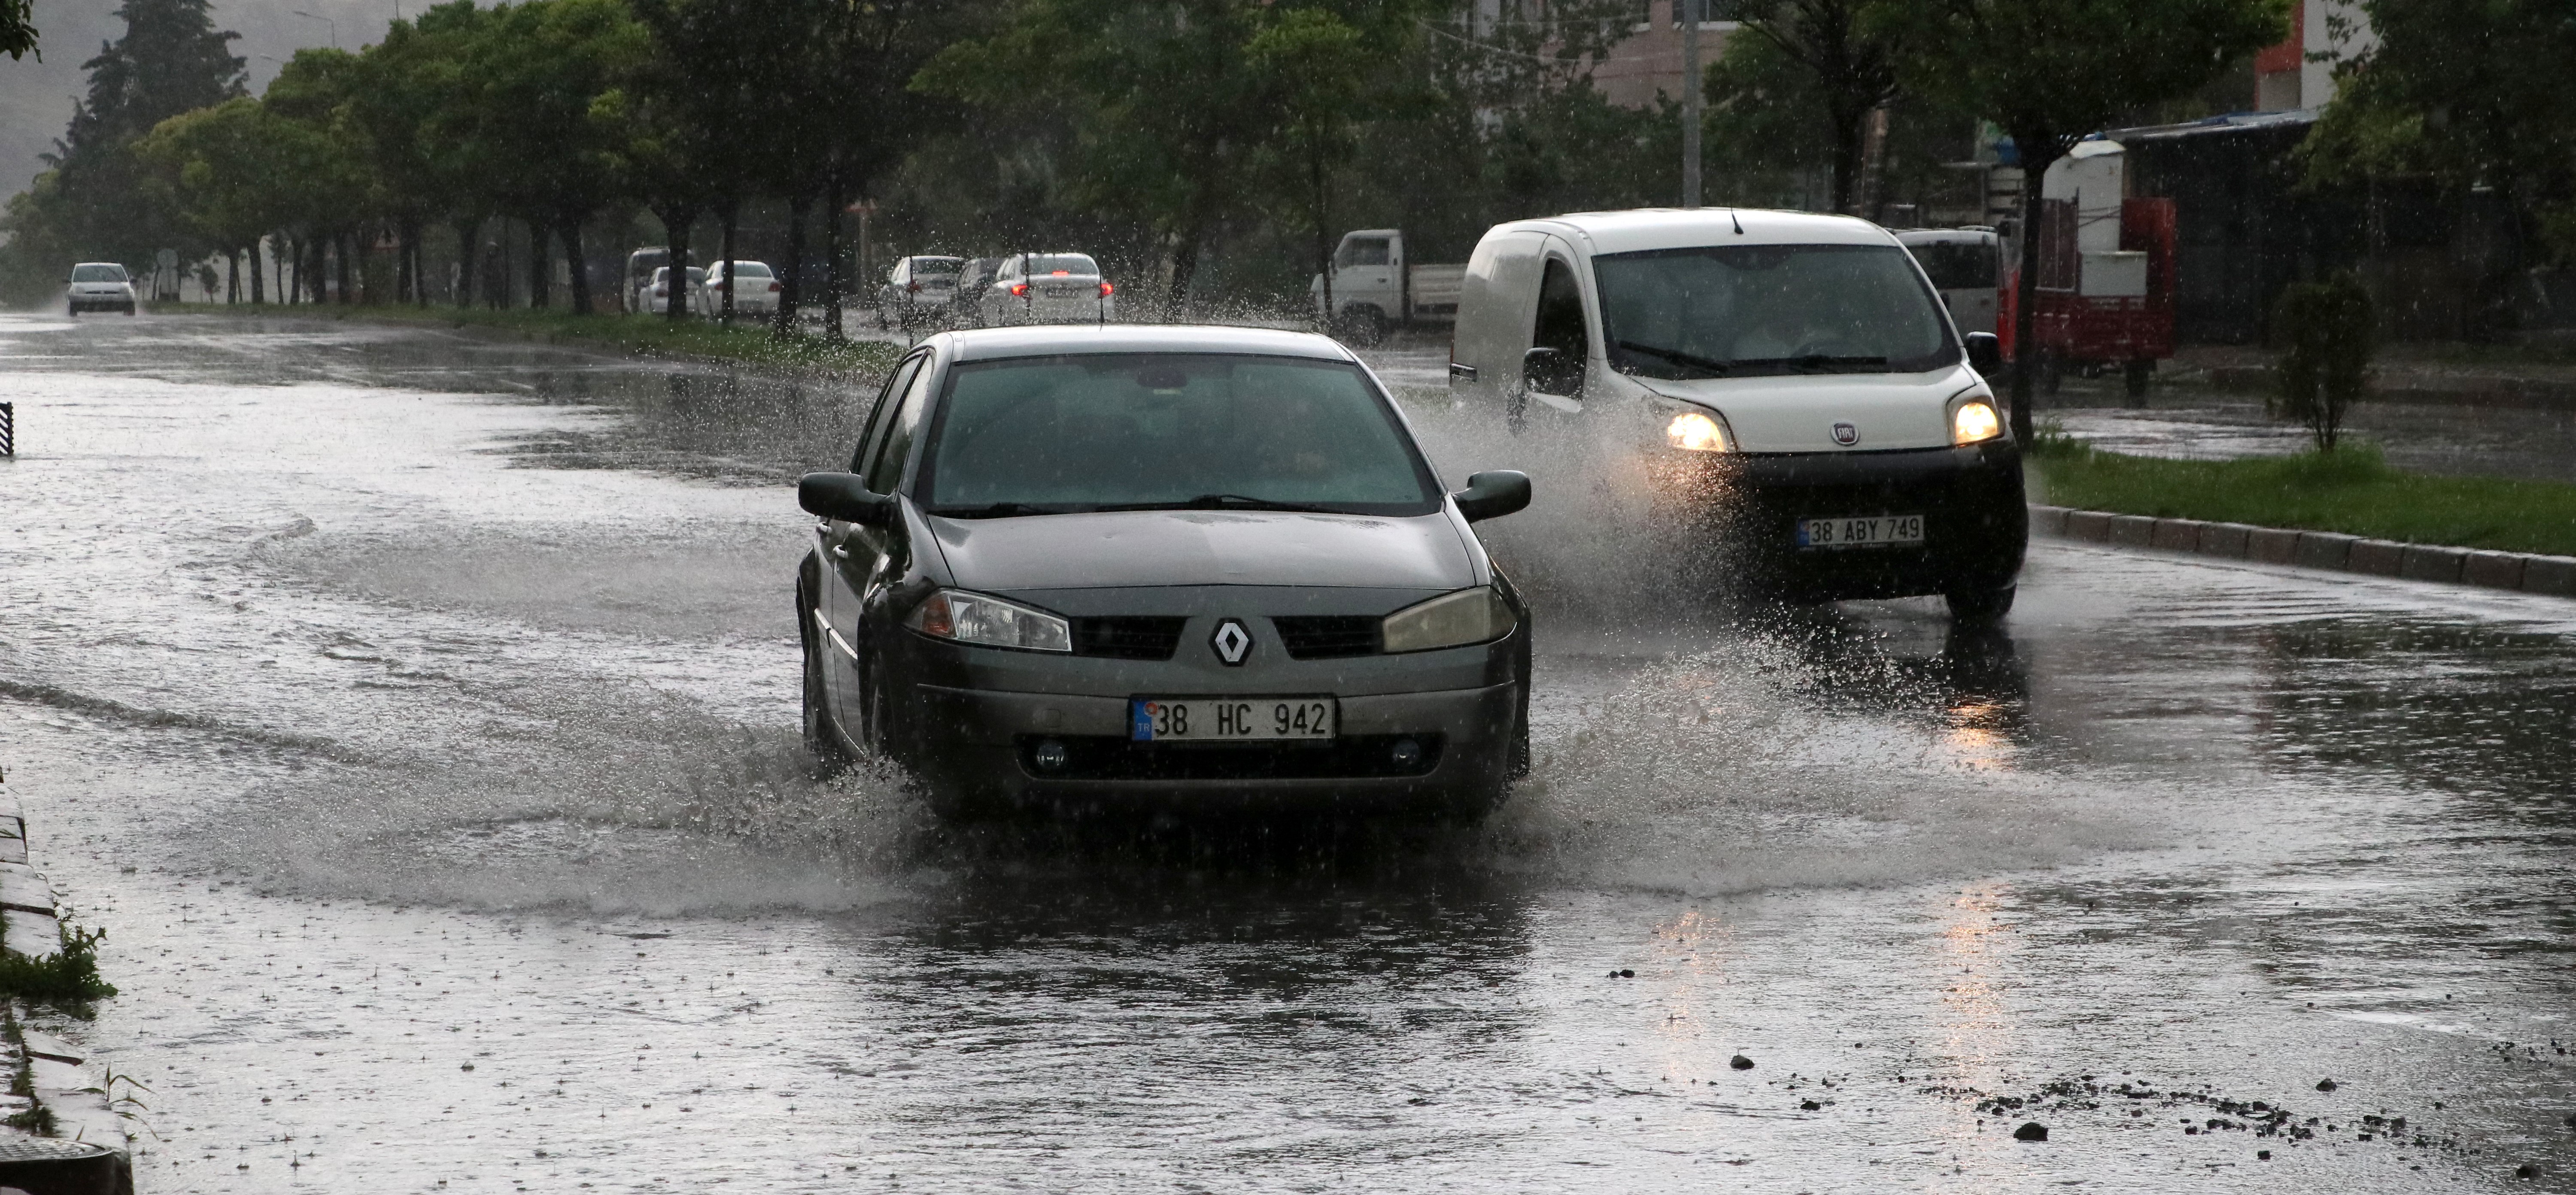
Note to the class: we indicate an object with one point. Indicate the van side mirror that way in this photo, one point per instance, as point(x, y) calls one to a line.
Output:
point(843, 496)
point(1493, 494)
point(1985, 353)
point(1551, 371)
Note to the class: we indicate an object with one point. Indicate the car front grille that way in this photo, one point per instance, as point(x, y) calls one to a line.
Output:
point(1128, 638)
point(1327, 636)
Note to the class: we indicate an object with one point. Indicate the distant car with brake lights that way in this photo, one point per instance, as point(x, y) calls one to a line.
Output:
point(1048, 288)
point(1800, 394)
point(918, 289)
point(755, 289)
point(1199, 566)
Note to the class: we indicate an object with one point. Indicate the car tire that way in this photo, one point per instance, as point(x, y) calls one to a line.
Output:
point(822, 739)
point(1980, 606)
point(129, 309)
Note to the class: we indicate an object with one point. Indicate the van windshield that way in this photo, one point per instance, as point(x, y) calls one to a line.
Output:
point(1169, 431)
point(1754, 310)
point(98, 273)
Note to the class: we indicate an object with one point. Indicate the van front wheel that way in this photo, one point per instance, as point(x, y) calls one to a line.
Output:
point(1980, 607)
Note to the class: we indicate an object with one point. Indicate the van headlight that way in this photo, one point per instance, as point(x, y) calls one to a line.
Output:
point(1697, 431)
point(962, 617)
point(1478, 615)
point(1975, 422)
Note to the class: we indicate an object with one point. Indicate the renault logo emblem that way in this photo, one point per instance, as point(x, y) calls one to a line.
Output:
point(1846, 434)
point(1233, 644)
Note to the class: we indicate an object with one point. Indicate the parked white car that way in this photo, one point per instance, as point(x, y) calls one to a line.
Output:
point(1048, 288)
point(99, 286)
point(918, 289)
point(654, 297)
point(755, 289)
point(1790, 382)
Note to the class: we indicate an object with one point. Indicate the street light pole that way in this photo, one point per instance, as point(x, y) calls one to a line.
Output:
point(335, 25)
point(1690, 13)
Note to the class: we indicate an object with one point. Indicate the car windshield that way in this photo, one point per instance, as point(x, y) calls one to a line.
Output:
point(750, 269)
point(935, 265)
point(1959, 265)
point(1062, 263)
point(98, 273)
point(1169, 431)
point(1752, 310)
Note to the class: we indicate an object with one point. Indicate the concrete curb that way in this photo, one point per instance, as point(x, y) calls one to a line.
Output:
point(31, 924)
point(2521, 572)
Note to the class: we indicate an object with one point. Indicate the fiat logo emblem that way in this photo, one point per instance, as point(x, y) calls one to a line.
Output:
point(1233, 644)
point(1846, 434)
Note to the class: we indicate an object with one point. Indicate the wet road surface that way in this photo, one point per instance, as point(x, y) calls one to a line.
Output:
point(417, 714)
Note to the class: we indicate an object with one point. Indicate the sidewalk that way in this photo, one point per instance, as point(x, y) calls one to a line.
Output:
point(2427, 374)
point(2524, 572)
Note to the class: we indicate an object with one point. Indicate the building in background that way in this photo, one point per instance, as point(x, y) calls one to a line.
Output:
point(2299, 72)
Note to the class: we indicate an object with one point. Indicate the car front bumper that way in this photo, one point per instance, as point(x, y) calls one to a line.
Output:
point(1976, 520)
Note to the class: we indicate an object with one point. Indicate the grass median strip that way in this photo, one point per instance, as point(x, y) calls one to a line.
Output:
point(2351, 490)
point(748, 341)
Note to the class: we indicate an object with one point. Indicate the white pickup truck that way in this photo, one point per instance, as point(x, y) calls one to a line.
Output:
point(1373, 287)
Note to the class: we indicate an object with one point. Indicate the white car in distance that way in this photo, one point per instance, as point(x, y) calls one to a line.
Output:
point(755, 289)
point(917, 289)
point(99, 286)
point(654, 297)
point(1048, 288)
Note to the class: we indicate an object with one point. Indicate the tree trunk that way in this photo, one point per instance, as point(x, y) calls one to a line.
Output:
point(311, 267)
point(568, 230)
point(343, 244)
point(676, 222)
point(406, 279)
point(232, 276)
point(2026, 351)
point(1324, 235)
point(540, 267)
point(469, 246)
point(833, 201)
point(1848, 136)
point(1185, 269)
point(791, 289)
point(258, 275)
point(731, 209)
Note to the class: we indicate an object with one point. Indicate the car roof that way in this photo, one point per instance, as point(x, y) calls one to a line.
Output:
point(1044, 340)
point(118, 264)
point(1947, 236)
point(1683, 228)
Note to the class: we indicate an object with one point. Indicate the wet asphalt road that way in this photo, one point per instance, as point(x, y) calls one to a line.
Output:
point(417, 715)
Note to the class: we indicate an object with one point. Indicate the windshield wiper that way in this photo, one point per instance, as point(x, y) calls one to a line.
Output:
point(1813, 361)
point(993, 510)
point(1226, 502)
point(1678, 357)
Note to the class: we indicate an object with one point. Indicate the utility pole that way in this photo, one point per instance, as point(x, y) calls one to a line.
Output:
point(1689, 10)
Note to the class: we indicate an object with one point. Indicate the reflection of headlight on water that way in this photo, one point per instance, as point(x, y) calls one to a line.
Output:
point(1691, 431)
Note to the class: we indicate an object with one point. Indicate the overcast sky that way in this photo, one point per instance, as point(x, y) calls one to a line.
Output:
point(36, 97)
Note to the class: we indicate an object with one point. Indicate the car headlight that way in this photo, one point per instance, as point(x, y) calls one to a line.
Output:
point(990, 622)
point(1697, 431)
point(1974, 422)
point(1476, 615)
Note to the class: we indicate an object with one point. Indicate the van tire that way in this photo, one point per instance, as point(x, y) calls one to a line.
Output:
point(1980, 607)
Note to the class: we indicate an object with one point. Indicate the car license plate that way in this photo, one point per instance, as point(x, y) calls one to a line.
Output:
point(1231, 719)
point(1873, 531)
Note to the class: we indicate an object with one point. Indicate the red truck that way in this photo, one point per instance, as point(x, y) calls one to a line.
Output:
point(2106, 274)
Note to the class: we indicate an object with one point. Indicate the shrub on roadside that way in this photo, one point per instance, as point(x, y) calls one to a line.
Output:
point(2329, 330)
point(69, 976)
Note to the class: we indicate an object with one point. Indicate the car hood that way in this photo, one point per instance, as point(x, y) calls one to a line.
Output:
point(1797, 413)
point(1204, 547)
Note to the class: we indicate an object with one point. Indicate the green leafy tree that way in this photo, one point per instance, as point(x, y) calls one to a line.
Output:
point(1324, 72)
point(2050, 72)
point(2464, 95)
point(2328, 327)
point(1850, 67)
point(18, 28)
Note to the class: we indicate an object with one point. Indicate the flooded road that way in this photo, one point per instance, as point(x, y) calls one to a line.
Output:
point(418, 716)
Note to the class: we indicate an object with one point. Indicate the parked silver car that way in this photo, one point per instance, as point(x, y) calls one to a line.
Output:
point(755, 289)
point(918, 289)
point(1048, 288)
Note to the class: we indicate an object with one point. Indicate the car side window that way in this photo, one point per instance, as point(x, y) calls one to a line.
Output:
point(1560, 323)
point(877, 412)
point(887, 471)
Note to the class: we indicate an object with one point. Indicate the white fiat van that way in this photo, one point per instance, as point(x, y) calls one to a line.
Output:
point(1792, 374)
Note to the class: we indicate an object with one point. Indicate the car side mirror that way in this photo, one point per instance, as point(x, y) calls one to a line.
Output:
point(1493, 494)
point(843, 496)
point(1551, 371)
point(1985, 353)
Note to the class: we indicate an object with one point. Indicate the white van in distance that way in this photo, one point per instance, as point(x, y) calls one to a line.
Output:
point(1792, 376)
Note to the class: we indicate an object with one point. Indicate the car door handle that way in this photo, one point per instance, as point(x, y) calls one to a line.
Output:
point(838, 550)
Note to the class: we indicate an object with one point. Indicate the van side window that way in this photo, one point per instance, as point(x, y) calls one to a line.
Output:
point(1365, 251)
point(1560, 314)
point(883, 406)
point(887, 472)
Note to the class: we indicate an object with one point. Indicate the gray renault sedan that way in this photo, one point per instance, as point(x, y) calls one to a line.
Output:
point(1093, 566)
